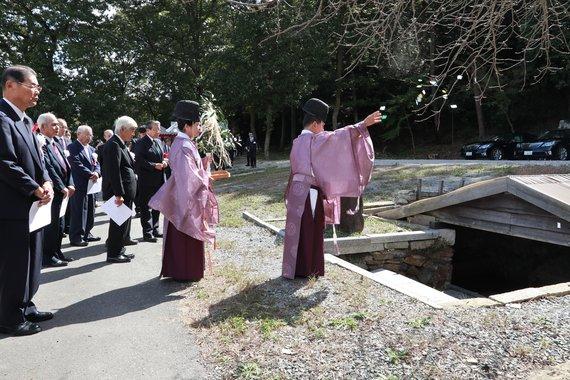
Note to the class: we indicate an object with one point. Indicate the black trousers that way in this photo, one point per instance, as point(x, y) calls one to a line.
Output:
point(82, 216)
point(118, 234)
point(53, 233)
point(20, 265)
point(252, 159)
point(149, 217)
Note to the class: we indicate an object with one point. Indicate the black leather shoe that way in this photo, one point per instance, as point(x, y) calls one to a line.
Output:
point(39, 316)
point(131, 242)
point(92, 238)
point(66, 258)
point(129, 255)
point(64, 235)
point(78, 244)
point(150, 239)
point(25, 328)
point(118, 259)
point(157, 235)
point(55, 262)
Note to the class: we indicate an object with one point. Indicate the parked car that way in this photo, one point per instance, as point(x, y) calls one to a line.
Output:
point(497, 147)
point(551, 145)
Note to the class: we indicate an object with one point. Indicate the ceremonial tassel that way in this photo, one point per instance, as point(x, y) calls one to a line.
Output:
point(335, 243)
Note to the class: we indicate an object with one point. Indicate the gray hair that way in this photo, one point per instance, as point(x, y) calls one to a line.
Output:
point(45, 118)
point(124, 123)
point(83, 129)
point(108, 132)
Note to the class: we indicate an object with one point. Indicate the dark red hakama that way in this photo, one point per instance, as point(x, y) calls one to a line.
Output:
point(310, 252)
point(183, 258)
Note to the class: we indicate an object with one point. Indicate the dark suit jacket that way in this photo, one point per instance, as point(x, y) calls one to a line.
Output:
point(60, 175)
point(22, 169)
point(82, 166)
point(148, 152)
point(119, 178)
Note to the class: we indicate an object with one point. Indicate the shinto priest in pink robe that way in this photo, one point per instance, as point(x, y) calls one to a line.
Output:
point(324, 167)
point(187, 201)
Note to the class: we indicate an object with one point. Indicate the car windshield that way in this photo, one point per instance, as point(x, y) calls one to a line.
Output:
point(558, 134)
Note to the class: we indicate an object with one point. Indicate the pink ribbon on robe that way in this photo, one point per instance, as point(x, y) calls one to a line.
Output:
point(340, 163)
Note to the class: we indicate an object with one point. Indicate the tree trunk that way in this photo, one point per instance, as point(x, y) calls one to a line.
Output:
point(268, 130)
point(478, 97)
point(339, 59)
point(351, 223)
point(283, 128)
point(252, 122)
point(293, 124)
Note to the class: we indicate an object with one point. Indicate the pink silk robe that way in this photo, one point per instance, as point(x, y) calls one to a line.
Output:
point(186, 198)
point(338, 162)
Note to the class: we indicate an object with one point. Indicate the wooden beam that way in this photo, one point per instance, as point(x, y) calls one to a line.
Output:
point(538, 195)
point(465, 194)
point(277, 231)
point(502, 228)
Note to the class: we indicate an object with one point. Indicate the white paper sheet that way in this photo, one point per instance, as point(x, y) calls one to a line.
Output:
point(313, 193)
point(40, 216)
point(63, 207)
point(94, 187)
point(119, 214)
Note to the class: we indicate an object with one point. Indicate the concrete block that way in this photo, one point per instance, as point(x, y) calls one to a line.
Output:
point(421, 244)
point(397, 245)
point(470, 303)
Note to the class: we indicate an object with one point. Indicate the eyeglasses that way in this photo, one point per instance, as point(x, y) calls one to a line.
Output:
point(32, 86)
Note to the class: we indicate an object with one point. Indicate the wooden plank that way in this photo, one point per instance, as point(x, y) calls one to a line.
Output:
point(505, 229)
point(277, 231)
point(399, 283)
point(546, 222)
point(540, 198)
point(508, 203)
point(465, 194)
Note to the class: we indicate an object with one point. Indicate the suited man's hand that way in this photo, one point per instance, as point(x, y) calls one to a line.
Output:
point(71, 190)
point(159, 166)
point(65, 192)
point(119, 200)
point(94, 176)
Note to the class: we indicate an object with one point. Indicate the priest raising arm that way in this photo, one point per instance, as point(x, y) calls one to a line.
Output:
point(324, 167)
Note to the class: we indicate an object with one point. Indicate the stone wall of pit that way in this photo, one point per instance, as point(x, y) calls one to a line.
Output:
point(426, 261)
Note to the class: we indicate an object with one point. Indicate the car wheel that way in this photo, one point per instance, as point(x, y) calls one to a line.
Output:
point(562, 153)
point(496, 154)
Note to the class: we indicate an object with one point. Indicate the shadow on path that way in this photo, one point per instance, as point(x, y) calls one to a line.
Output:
point(67, 272)
point(271, 299)
point(117, 302)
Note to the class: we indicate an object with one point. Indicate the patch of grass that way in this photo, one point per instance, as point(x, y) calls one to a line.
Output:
point(395, 356)
point(541, 321)
point(235, 325)
point(269, 325)
point(419, 323)
point(249, 371)
point(226, 245)
point(202, 294)
point(349, 322)
point(522, 351)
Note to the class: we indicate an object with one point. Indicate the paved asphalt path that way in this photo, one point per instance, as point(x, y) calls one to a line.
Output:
point(111, 320)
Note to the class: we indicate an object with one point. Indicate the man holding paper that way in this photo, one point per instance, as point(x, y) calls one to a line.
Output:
point(23, 180)
point(85, 169)
point(59, 172)
point(120, 184)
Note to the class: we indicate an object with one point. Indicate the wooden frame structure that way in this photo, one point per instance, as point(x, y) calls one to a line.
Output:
point(533, 207)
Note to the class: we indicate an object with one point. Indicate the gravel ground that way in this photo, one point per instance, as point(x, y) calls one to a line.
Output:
point(252, 324)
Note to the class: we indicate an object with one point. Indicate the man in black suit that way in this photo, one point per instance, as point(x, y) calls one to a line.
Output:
point(59, 171)
point(149, 166)
point(63, 141)
point(84, 168)
point(251, 146)
point(23, 180)
point(119, 181)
